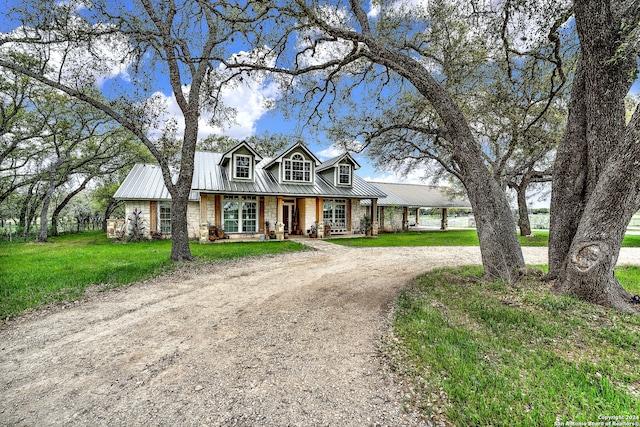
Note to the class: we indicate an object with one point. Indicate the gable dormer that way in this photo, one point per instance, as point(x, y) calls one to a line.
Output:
point(241, 162)
point(297, 165)
point(339, 170)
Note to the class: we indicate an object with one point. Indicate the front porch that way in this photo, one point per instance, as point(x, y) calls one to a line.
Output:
point(294, 238)
point(253, 218)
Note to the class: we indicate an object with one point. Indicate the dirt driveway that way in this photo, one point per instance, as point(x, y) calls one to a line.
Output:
point(284, 340)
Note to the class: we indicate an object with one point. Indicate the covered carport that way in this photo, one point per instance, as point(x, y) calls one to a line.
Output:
point(413, 197)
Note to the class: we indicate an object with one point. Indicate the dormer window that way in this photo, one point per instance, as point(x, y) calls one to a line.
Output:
point(242, 166)
point(297, 169)
point(344, 175)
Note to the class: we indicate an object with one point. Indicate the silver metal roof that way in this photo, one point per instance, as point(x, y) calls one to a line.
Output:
point(145, 182)
point(331, 162)
point(416, 196)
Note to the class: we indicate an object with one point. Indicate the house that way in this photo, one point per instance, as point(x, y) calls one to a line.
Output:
point(393, 210)
point(248, 195)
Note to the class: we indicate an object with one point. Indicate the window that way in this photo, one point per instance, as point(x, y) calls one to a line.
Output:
point(344, 175)
point(297, 169)
point(242, 166)
point(165, 217)
point(240, 214)
point(335, 212)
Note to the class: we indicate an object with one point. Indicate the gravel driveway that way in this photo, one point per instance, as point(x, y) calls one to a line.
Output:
point(285, 340)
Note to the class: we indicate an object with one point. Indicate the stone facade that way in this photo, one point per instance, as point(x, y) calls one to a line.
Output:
point(200, 218)
point(142, 206)
point(391, 219)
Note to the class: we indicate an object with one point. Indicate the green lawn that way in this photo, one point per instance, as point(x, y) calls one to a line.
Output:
point(495, 354)
point(431, 238)
point(450, 238)
point(34, 274)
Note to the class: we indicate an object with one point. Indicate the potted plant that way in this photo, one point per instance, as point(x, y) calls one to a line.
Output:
point(366, 225)
point(313, 231)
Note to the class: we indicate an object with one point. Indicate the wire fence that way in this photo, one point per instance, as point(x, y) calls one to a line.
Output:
point(11, 231)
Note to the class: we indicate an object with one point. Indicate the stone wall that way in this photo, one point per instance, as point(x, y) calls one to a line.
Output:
point(142, 206)
point(392, 221)
point(357, 212)
point(193, 220)
point(307, 214)
point(270, 211)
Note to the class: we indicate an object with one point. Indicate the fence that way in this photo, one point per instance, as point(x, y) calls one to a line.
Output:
point(13, 232)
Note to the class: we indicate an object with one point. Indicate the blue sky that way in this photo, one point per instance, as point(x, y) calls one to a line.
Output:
point(252, 116)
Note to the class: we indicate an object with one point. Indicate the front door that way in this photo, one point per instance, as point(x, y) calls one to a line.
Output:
point(287, 214)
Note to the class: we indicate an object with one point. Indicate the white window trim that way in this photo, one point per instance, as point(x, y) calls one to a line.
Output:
point(164, 221)
point(304, 162)
point(235, 169)
point(334, 203)
point(339, 174)
point(240, 219)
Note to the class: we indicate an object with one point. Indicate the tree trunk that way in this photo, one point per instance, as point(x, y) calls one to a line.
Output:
point(595, 189)
point(44, 212)
point(523, 210)
point(499, 246)
point(64, 203)
point(501, 253)
point(46, 201)
point(569, 178)
point(24, 209)
point(180, 250)
point(589, 271)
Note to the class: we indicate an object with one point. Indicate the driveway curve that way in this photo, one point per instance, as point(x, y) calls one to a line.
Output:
point(285, 340)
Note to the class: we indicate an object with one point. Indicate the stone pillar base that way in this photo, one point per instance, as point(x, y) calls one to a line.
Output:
point(204, 233)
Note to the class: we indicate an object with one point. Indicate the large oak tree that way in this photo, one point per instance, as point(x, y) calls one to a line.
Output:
point(163, 44)
point(347, 47)
point(596, 185)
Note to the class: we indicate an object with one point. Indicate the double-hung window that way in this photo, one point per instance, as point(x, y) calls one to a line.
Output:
point(242, 166)
point(297, 169)
point(344, 175)
point(165, 217)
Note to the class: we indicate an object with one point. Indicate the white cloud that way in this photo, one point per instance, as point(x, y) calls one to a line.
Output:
point(78, 64)
point(250, 100)
point(398, 6)
point(354, 147)
point(374, 9)
point(330, 153)
point(314, 50)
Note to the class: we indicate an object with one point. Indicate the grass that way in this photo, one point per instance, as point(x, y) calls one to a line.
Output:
point(35, 274)
point(431, 238)
point(496, 354)
point(451, 238)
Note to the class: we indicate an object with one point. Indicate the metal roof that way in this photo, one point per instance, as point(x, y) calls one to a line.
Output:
point(145, 182)
point(332, 162)
point(299, 145)
point(416, 196)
